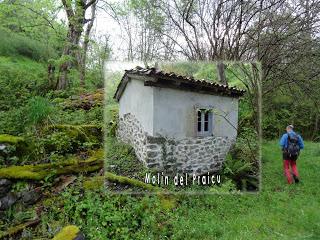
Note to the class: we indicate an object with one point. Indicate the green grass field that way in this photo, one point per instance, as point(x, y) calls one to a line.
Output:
point(279, 211)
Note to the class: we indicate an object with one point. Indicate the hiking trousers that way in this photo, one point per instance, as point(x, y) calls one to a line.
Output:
point(286, 165)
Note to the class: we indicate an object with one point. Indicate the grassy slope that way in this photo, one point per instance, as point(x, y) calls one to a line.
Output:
point(18, 75)
point(279, 211)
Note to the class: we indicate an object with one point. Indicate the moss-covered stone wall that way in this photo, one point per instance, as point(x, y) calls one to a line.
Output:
point(188, 155)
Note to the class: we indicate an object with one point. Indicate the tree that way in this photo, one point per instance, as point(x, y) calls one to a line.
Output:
point(142, 22)
point(75, 11)
point(35, 19)
point(221, 73)
point(83, 55)
point(250, 76)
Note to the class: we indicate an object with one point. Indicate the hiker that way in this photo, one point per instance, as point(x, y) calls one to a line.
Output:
point(291, 144)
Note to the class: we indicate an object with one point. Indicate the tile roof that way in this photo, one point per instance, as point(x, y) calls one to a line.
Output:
point(172, 80)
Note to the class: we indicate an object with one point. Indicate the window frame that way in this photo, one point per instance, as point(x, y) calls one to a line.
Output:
point(204, 111)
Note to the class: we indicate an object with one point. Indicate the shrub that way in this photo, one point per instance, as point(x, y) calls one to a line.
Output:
point(59, 142)
point(242, 163)
point(111, 119)
point(62, 139)
point(13, 44)
point(246, 147)
point(13, 121)
point(104, 216)
point(20, 79)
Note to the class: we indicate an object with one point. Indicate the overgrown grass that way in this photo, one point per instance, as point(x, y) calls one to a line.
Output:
point(24, 98)
point(279, 211)
point(20, 79)
point(121, 160)
point(39, 110)
point(204, 70)
point(14, 44)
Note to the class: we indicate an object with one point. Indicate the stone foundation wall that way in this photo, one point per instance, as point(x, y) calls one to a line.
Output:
point(189, 155)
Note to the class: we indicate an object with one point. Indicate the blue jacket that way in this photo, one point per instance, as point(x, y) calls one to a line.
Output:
point(284, 140)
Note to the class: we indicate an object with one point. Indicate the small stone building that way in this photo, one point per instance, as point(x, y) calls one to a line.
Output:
point(176, 123)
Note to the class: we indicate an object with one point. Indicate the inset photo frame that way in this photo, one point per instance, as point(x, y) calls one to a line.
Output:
point(183, 127)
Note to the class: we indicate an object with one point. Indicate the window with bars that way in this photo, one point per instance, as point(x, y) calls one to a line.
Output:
point(204, 123)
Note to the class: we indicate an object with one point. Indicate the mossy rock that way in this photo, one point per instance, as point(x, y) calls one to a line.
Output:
point(94, 183)
point(58, 100)
point(19, 143)
point(64, 138)
point(70, 232)
point(81, 132)
point(9, 139)
point(130, 181)
point(98, 182)
point(14, 230)
point(84, 101)
point(41, 171)
point(167, 200)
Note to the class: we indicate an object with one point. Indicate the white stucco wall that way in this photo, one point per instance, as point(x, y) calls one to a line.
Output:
point(171, 113)
point(137, 99)
point(175, 115)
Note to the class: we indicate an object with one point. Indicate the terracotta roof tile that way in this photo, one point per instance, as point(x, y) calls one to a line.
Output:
point(172, 80)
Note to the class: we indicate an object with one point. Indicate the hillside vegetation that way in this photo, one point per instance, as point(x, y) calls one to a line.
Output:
point(279, 211)
point(58, 119)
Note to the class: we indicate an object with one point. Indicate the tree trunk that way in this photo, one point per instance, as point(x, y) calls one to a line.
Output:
point(316, 127)
point(256, 75)
point(221, 73)
point(70, 56)
point(51, 76)
point(83, 55)
point(62, 78)
point(70, 53)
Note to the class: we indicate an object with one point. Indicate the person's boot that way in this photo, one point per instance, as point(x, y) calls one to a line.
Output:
point(296, 179)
